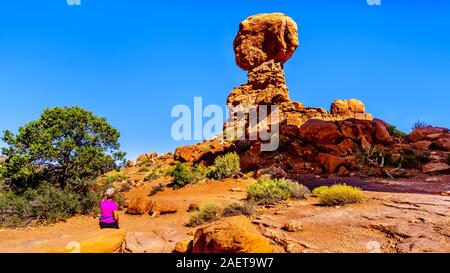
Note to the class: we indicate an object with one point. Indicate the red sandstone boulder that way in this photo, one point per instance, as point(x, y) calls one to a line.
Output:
point(163, 207)
point(427, 133)
point(274, 171)
point(139, 206)
point(331, 163)
point(422, 145)
point(319, 131)
point(230, 235)
point(265, 37)
point(442, 144)
point(346, 109)
point(436, 167)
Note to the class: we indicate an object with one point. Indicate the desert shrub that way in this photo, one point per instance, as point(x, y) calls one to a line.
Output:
point(226, 166)
point(249, 175)
point(243, 146)
point(143, 169)
point(298, 191)
point(117, 177)
point(338, 195)
point(413, 159)
point(200, 173)
point(46, 204)
point(157, 188)
point(319, 190)
point(155, 174)
point(375, 157)
point(393, 131)
point(268, 191)
point(244, 208)
point(183, 175)
point(207, 212)
point(419, 124)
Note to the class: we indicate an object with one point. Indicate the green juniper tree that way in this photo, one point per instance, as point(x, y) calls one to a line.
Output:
point(64, 144)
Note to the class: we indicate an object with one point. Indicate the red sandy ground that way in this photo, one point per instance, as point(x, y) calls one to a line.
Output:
point(400, 216)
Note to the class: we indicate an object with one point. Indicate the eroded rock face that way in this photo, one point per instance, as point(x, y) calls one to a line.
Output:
point(230, 235)
point(265, 37)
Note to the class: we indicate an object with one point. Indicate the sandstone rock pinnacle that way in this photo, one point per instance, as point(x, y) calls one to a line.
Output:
point(263, 44)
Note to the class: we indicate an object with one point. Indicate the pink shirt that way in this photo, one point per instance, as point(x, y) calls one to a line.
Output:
point(107, 208)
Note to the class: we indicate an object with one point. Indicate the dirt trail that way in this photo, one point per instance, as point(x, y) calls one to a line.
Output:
point(388, 221)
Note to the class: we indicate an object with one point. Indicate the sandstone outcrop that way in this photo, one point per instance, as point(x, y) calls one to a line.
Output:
point(230, 235)
point(144, 242)
point(311, 139)
point(202, 152)
point(146, 157)
point(109, 241)
point(263, 44)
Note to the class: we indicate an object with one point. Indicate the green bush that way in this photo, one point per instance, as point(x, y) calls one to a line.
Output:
point(298, 191)
point(413, 159)
point(117, 177)
point(155, 174)
point(268, 191)
point(244, 208)
point(46, 205)
point(226, 166)
point(207, 212)
point(143, 169)
point(338, 195)
point(319, 190)
point(393, 131)
point(181, 176)
point(158, 188)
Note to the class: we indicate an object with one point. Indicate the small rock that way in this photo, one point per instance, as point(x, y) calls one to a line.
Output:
point(292, 227)
point(236, 189)
point(184, 246)
point(435, 167)
point(433, 179)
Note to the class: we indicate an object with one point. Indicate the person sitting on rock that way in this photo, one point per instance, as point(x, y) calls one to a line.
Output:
point(109, 211)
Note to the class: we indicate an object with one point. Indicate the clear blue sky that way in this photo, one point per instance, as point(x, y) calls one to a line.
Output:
point(132, 61)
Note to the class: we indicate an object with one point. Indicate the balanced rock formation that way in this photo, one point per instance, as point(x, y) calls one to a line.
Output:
point(311, 140)
point(263, 44)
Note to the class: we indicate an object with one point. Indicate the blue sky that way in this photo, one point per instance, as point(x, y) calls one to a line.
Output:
point(132, 61)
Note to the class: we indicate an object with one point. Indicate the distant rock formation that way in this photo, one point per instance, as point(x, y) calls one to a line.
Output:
point(343, 141)
point(263, 44)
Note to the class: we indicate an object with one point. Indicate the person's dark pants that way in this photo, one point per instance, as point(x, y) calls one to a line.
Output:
point(114, 225)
